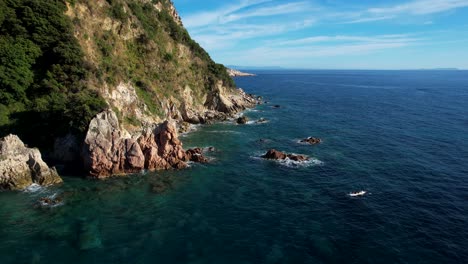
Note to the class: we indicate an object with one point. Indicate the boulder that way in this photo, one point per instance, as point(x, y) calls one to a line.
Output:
point(21, 166)
point(196, 155)
point(242, 120)
point(274, 154)
point(278, 155)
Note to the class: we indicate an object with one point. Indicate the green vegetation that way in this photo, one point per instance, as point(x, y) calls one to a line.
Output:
point(42, 72)
point(46, 76)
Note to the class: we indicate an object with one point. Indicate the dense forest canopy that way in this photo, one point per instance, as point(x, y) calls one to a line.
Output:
point(42, 73)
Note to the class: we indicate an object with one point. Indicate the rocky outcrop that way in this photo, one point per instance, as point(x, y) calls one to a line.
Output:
point(236, 73)
point(278, 155)
point(21, 166)
point(230, 103)
point(110, 150)
point(242, 120)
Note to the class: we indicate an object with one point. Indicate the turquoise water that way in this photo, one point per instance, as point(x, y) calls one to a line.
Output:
point(399, 135)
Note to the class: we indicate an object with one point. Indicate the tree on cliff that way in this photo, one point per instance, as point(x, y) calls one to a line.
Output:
point(42, 93)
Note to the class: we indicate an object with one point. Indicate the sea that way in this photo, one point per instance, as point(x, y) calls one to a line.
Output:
point(399, 136)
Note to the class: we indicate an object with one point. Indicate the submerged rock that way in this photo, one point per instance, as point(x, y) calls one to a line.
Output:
point(89, 236)
point(109, 149)
point(261, 121)
point(50, 201)
point(21, 166)
point(311, 140)
point(278, 155)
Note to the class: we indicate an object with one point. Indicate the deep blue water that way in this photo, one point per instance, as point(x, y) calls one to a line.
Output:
point(402, 136)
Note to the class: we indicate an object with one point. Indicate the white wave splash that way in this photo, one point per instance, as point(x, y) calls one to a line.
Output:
point(224, 132)
point(33, 188)
point(51, 201)
point(291, 163)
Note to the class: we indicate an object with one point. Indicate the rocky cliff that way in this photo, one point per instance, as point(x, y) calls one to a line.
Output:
point(108, 82)
point(21, 166)
point(145, 64)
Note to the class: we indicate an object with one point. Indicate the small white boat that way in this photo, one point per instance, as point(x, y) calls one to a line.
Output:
point(361, 193)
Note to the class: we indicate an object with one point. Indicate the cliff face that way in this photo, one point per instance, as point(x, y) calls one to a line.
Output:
point(145, 64)
point(70, 63)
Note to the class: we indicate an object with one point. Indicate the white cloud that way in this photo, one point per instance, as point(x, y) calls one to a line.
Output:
point(213, 17)
point(282, 9)
point(368, 19)
point(225, 36)
point(421, 7)
point(414, 8)
point(319, 47)
point(396, 38)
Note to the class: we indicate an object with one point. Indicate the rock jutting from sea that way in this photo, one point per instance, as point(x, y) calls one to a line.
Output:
point(110, 150)
point(274, 154)
point(21, 166)
point(236, 73)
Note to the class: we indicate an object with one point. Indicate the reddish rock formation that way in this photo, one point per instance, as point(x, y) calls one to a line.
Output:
point(278, 155)
point(109, 150)
point(196, 155)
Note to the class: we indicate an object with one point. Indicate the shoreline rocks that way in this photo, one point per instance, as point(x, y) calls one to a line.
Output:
point(21, 166)
point(110, 150)
point(274, 154)
point(242, 120)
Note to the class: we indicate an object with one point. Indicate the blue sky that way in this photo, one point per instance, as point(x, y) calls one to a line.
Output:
point(331, 34)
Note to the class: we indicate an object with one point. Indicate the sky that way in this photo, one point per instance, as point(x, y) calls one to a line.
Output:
point(331, 34)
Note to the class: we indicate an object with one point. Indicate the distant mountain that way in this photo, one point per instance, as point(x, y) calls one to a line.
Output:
point(440, 69)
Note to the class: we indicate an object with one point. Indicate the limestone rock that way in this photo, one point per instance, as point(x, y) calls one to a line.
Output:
point(21, 166)
point(237, 73)
point(224, 101)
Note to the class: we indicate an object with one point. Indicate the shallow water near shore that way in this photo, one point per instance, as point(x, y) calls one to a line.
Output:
point(401, 136)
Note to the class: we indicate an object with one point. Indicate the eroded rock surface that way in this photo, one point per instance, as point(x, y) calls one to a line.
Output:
point(110, 150)
point(21, 166)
